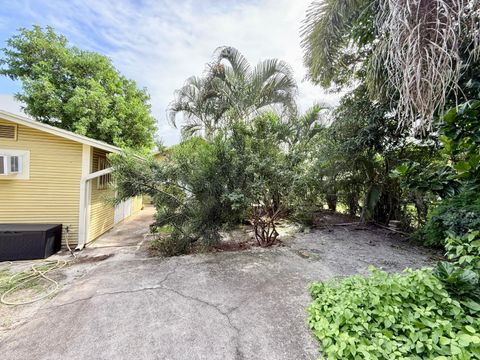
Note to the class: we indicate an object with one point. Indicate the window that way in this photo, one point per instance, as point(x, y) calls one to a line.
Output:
point(14, 164)
point(10, 164)
point(3, 168)
point(104, 180)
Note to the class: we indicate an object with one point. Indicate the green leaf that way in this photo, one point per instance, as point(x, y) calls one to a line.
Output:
point(455, 350)
point(464, 339)
point(450, 116)
point(444, 340)
point(472, 305)
point(463, 167)
point(470, 329)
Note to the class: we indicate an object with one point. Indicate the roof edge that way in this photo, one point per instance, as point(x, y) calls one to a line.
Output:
point(23, 120)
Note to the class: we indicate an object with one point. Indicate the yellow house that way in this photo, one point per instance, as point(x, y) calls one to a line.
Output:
point(157, 155)
point(50, 175)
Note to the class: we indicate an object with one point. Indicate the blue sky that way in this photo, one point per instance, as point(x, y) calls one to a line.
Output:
point(159, 44)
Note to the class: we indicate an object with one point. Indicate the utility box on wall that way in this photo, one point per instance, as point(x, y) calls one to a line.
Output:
point(29, 241)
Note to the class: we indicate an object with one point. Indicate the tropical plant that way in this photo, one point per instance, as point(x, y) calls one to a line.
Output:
point(449, 176)
point(233, 90)
point(77, 90)
point(247, 90)
point(399, 316)
point(246, 173)
point(461, 276)
point(413, 52)
point(306, 134)
point(460, 136)
point(465, 249)
point(270, 174)
point(454, 215)
point(435, 177)
point(425, 48)
point(192, 188)
point(200, 105)
point(336, 35)
point(354, 157)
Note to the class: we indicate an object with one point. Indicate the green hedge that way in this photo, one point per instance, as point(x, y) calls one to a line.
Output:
point(401, 316)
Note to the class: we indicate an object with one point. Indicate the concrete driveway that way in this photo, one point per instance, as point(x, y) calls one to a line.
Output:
point(229, 305)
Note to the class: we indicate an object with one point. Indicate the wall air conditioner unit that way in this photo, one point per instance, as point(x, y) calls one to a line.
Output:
point(10, 165)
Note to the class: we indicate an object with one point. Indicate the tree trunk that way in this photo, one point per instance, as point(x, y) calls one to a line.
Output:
point(331, 201)
point(421, 207)
point(352, 200)
point(264, 226)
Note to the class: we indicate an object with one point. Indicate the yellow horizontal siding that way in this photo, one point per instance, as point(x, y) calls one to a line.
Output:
point(137, 204)
point(101, 215)
point(52, 193)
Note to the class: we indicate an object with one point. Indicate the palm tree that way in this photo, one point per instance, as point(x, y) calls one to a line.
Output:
point(199, 103)
point(303, 128)
point(231, 91)
point(248, 90)
point(415, 51)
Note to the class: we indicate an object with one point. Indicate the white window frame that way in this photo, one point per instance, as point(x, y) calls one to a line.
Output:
point(103, 182)
point(23, 171)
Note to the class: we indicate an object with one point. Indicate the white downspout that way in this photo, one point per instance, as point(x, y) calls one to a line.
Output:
point(84, 201)
point(82, 214)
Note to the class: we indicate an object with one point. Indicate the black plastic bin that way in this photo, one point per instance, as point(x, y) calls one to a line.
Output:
point(29, 241)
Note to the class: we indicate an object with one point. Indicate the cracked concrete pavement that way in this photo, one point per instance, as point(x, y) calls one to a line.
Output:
point(228, 305)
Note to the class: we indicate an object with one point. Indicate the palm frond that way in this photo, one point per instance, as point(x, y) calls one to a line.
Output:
point(415, 51)
point(186, 99)
point(426, 46)
point(235, 59)
point(192, 129)
point(324, 37)
point(269, 68)
point(231, 90)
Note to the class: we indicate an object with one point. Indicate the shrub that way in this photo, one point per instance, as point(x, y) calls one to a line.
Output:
point(192, 188)
point(454, 215)
point(171, 245)
point(461, 277)
point(200, 186)
point(465, 249)
point(401, 316)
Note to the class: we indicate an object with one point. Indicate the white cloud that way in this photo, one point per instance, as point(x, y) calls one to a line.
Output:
point(10, 104)
point(161, 43)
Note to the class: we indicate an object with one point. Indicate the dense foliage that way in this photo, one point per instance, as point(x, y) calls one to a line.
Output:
point(423, 314)
point(388, 152)
point(375, 165)
point(461, 276)
point(453, 177)
point(414, 52)
point(418, 315)
point(455, 215)
point(77, 90)
point(193, 189)
point(398, 316)
point(356, 155)
point(407, 61)
point(203, 186)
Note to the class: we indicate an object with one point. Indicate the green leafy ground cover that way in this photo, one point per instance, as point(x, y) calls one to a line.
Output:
point(400, 316)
